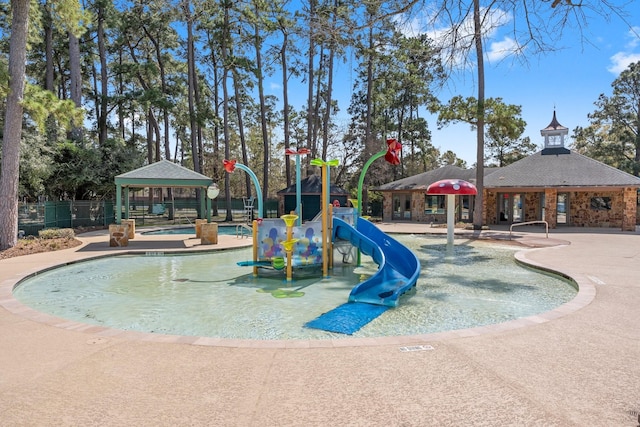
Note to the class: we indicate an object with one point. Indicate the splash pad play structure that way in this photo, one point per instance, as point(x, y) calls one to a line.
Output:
point(280, 244)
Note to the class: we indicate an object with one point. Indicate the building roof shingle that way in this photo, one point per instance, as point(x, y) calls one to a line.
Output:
point(423, 180)
point(559, 170)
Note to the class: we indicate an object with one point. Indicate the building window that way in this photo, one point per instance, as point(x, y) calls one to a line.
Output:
point(434, 205)
point(601, 203)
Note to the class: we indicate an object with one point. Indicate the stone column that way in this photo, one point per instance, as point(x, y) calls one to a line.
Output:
point(550, 206)
point(209, 233)
point(417, 206)
point(199, 223)
point(387, 206)
point(118, 235)
point(132, 228)
point(630, 203)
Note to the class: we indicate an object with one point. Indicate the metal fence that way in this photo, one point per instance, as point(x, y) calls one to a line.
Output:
point(33, 217)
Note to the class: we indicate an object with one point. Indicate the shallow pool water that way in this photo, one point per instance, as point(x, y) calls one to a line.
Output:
point(473, 283)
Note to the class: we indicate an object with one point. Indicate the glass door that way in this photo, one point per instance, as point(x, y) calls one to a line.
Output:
point(510, 208)
point(402, 207)
point(516, 208)
point(562, 209)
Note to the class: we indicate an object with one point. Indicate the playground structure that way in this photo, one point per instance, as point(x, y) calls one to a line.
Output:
point(280, 243)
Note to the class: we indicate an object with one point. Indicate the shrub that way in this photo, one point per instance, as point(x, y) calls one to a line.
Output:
point(56, 233)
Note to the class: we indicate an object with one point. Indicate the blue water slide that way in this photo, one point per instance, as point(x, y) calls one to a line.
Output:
point(398, 266)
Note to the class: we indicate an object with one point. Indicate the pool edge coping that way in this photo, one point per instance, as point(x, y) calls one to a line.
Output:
point(585, 295)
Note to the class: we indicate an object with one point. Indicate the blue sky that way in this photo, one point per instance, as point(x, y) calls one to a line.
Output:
point(569, 79)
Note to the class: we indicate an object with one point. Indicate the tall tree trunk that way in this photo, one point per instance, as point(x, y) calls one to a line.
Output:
point(368, 149)
point(327, 114)
point(216, 129)
point(263, 111)
point(191, 76)
point(104, 84)
point(52, 128)
point(9, 171)
point(243, 139)
point(310, 80)
point(285, 101)
point(48, 50)
point(121, 115)
point(196, 152)
point(75, 80)
point(478, 208)
point(225, 105)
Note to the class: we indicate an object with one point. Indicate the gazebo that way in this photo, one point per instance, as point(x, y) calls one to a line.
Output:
point(162, 174)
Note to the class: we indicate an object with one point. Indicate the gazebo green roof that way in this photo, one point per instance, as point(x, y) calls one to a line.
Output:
point(163, 174)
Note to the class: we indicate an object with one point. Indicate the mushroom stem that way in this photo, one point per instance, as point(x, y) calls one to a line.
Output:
point(451, 203)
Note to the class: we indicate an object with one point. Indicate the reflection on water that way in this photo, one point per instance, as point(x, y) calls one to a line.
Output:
point(470, 284)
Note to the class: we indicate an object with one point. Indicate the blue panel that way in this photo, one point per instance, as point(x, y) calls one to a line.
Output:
point(347, 318)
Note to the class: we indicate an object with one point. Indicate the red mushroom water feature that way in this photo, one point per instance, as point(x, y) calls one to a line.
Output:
point(452, 188)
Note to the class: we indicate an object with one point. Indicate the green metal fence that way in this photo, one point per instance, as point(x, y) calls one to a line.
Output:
point(33, 217)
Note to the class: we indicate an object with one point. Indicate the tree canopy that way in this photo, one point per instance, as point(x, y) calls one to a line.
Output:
point(114, 85)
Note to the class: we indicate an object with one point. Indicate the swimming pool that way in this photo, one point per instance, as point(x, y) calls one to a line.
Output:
point(228, 230)
point(472, 284)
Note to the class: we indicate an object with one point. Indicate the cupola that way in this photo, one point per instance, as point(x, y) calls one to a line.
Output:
point(554, 137)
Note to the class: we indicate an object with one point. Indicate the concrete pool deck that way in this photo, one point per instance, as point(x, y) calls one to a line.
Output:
point(576, 365)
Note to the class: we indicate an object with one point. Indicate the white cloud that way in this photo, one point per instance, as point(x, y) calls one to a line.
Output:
point(455, 41)
point(621, 60)
point(501, 49)
point(275, 86)
point(634, 38)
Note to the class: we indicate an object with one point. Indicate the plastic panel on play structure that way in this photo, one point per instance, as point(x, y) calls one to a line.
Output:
point(307, 250)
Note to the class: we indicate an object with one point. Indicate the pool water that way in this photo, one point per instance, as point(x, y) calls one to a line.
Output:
point(228, 230)
point(473, 283)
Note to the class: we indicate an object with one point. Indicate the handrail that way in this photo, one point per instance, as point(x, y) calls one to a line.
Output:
point(529, 223)
point(187, 218)
point(240, 230)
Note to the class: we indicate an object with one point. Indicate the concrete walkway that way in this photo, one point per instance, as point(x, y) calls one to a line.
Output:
point(577, 365)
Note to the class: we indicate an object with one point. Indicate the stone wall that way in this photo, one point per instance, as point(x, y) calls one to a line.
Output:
point(387, 206)
point(581, 214)
point(417, 206)
point(630, 200)
point(490, 202)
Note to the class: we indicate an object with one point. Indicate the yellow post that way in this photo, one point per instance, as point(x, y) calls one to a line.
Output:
point(255, 246)
point(289, 220)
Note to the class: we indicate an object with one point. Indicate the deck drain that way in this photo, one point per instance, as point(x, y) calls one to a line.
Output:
point(416, 348)
point(154, 253)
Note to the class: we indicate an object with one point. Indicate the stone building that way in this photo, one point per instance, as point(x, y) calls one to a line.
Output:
point(555, 185)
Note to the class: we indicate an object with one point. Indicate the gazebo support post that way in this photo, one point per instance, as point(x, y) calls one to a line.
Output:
point(118, 204)
point(126, 202)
